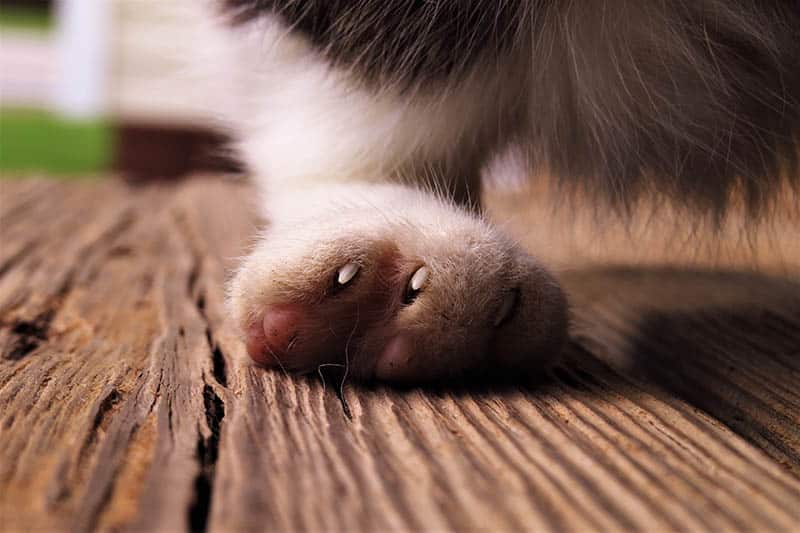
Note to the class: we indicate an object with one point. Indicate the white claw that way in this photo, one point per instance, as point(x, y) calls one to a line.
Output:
point(419, 278)
point(347, 273)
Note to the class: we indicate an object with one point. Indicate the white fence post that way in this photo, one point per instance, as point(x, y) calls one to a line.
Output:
point(82, 45)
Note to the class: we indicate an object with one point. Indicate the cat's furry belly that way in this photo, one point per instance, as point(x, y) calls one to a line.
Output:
point(407, 281)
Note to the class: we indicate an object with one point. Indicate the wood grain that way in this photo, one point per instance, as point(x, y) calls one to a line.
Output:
point(126, 401)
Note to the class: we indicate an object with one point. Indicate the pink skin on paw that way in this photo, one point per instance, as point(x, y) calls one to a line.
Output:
point(357, 325)
point(269, 340)
point(300, 336)
point(393, 363)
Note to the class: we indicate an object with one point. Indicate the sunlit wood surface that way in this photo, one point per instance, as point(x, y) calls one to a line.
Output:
point(126, 401)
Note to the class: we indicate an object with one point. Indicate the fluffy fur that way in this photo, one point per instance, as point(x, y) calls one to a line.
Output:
point(694, 100)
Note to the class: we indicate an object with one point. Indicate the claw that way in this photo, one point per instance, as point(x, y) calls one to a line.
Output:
point(347, 273)
point(419, 278)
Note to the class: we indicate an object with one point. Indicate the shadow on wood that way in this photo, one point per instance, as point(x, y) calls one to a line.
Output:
point(725, 342)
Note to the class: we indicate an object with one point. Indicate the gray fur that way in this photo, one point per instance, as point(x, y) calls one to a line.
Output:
point(697, 99)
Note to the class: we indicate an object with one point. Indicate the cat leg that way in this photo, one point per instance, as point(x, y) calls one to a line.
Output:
point(394, 280)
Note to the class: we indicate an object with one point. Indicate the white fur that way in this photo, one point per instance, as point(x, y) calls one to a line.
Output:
point(300, 119)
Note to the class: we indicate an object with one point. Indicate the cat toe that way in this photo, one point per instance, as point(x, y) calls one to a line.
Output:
point(270, 340)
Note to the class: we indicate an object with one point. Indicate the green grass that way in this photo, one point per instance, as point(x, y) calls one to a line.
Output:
point(38, 141)
point(28, 18)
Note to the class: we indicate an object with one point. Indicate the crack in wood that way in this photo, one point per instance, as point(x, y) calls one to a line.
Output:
point(112, 451)
point(218, 368)
point(207, 452)
point(29, 335)
point(218, 362)
point(194, 274)
point(104, 407)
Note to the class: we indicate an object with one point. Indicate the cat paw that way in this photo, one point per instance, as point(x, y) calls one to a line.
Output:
point(396, 291)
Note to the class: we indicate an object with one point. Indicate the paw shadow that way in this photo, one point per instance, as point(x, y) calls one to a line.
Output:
point(727, 343)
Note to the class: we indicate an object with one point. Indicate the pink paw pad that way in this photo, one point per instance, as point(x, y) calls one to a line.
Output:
point(352, 319)
point(390, 319)
point(270, 340)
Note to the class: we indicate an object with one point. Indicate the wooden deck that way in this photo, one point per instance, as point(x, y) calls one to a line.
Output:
point(126, 401)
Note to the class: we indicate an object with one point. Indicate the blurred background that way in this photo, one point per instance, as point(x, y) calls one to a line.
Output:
point(115, 87)
point(91, 86)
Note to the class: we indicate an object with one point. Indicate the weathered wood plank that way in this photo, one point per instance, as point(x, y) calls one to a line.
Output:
point(126, 401)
